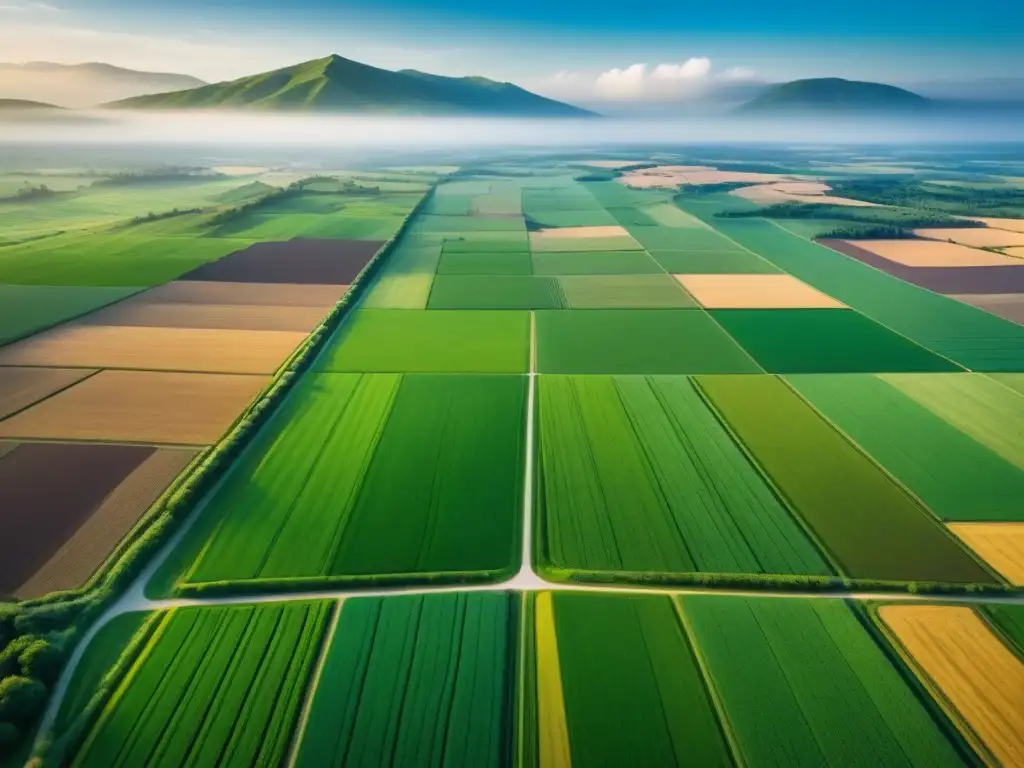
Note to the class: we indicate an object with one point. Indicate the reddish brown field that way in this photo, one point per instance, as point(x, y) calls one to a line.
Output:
point(324, 262)
point(139, 406)
point(47, 491)
point(21, 387)
point(211, 292)
point(81, 555)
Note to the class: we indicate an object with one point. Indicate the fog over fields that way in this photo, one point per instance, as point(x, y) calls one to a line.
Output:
point(113, 128)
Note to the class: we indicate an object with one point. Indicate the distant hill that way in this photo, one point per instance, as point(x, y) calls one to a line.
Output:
point(336, 84)
point(833, 95)
point(84, 85)
point(16, 104)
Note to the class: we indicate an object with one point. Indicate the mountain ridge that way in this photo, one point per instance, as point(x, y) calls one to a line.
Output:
point(834, 95)
point(337, 84)
point(84, 85)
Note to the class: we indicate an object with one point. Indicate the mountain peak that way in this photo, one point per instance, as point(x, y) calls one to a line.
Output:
point(336, 84)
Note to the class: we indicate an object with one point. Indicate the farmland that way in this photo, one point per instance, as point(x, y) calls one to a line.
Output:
point(387, 468)
point(316, 499)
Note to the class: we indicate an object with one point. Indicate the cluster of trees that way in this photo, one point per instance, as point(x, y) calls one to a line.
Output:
point(30, 192)
point(989, 200)
point(29, 666)
point(154, 175)
point(881, 216)
point(164, 215)
point(230, 214)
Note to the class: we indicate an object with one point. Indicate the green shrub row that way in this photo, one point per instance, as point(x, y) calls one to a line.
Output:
point(774, 582)
point(254, 587)
point(58, 619)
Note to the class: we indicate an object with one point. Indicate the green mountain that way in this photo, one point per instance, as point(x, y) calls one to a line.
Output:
point(335, 84)
point(833, 95)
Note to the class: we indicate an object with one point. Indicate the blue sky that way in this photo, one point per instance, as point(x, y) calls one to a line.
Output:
point(561, 47)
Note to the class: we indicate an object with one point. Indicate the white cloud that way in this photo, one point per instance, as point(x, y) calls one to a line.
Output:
point(640, 82)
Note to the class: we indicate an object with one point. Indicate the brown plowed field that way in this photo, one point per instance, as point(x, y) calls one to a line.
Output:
point(47, 491)
point(334, 262)
point(83, 554)
point(239, 317)
point(155, 349)
point(949, 280)
point(1009, 306)
point(140, 406)
point(974, 670)
point(21, 387)
point(210, 292)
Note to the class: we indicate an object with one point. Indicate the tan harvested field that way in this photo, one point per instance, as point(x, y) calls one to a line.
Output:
point(218, 292)
point(795, 192)
point(21, 387)
point(930, 253)
point(83, 554)
point(139, 407)
point(755, 292)
point(1015, 253)
point(567, 233)
point(671, 176)
point(155, 349)
point(1011, 225)
point(1001, 545)
point(979, 676)
point(978, 237)
point(240, 317)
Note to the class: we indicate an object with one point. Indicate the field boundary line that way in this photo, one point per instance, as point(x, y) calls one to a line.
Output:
point(56, 392)
point(724, 723)
point(905, 489)
point(314, 684)
point(872, 319)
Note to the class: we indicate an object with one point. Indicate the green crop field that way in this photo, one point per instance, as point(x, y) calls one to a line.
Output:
point(430, 223)
point(681, 239)
point(844, 497)
point(285, 226)
point(375, 474)
point(802, 683)
point(415, 680)
point(25, 309)
point(713, 263)
point(379, 340)
point(455, 263)
point(495, 292)
point(219, 686)
point(632, 217)
point(638, 475)
point(1014, 381)
point(647, 341)
point(624, 292)
point(393, 290)
point(1009, 621)
point(824, 341)
point(977, 405)
point(967, 335)
point(122, 258)
point(595, 263)
point(634, 693)
point(955, 475)
point(99, 659)
point(590, 217)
